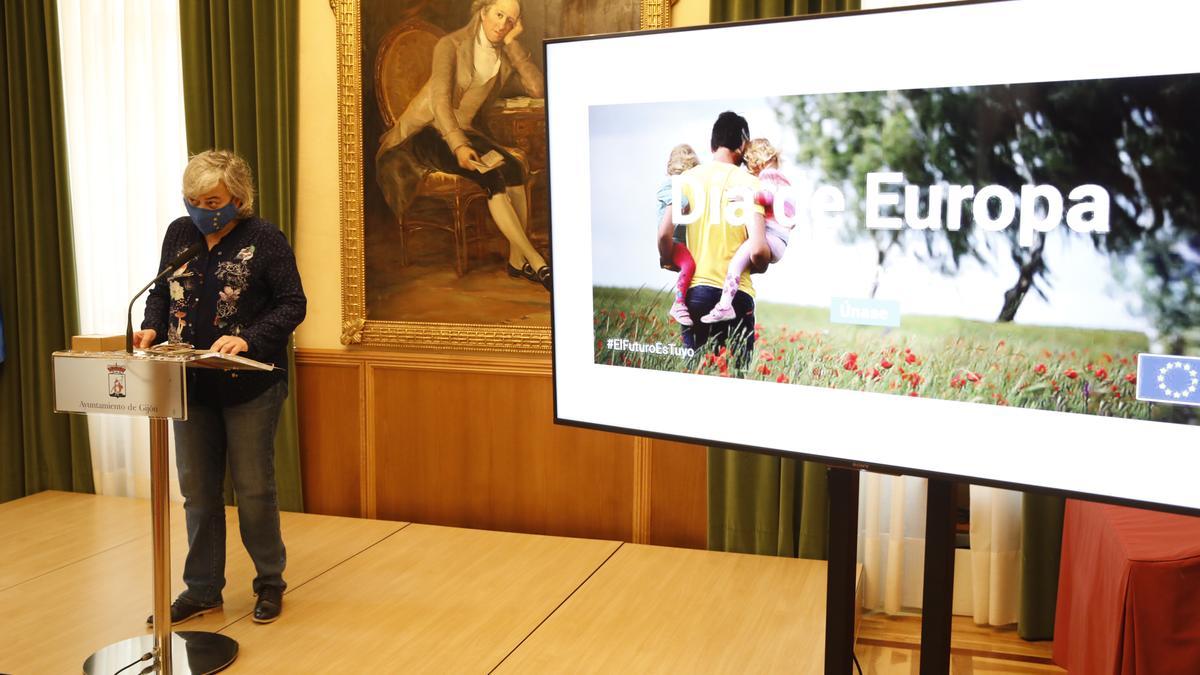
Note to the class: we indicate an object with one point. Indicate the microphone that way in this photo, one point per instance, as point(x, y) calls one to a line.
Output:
point(191, 252)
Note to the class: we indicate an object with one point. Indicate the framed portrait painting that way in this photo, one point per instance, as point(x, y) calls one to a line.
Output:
point(442, 166)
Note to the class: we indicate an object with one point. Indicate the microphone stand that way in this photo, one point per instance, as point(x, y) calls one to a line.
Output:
point(171, 267)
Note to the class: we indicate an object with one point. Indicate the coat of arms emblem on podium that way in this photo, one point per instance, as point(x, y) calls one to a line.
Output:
point(116, 381)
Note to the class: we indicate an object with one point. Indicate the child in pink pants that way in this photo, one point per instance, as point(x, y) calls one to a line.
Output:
point(682, 158)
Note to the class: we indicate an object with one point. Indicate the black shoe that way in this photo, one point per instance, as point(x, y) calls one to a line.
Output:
point(542, 276)
point(183, 609)
point(526, 272)
point(269, 605)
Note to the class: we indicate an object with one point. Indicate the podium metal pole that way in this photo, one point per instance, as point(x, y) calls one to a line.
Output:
point(157, 386)
point(161, 528)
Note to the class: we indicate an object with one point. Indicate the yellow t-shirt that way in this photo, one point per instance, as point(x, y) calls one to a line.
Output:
point(713, 242)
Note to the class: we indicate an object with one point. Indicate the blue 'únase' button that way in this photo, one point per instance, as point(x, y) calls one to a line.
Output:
point(865, 312)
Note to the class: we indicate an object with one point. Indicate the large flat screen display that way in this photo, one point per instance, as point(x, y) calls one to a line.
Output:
point(957, 241)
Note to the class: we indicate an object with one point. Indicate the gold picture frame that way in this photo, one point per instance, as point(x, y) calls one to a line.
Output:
point(357, 328)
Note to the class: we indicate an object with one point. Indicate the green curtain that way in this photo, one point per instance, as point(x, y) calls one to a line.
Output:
point(737, 10)
point(767, 505)
point(239, 93)
point(1041, 546)
point(39, 450)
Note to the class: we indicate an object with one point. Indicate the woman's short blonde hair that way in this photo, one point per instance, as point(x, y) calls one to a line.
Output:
point(210, 167)
point(759, 154)
point(683, 157)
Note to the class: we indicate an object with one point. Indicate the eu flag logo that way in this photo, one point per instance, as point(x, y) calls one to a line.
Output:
point(1168, 379)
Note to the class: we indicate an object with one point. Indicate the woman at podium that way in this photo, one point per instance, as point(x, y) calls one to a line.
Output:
point(241, 294)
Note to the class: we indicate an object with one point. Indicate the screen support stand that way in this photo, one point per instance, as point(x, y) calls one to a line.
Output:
point(938, 595)
point(840, 588)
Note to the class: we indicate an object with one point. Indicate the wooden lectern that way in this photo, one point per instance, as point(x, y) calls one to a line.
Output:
point(148, 384)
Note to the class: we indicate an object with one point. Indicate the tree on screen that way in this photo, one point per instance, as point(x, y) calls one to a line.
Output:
point(1134, 136)
point(1169, 286)
point(847, 136)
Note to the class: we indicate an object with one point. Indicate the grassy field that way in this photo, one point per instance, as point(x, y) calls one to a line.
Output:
point(1063, 369)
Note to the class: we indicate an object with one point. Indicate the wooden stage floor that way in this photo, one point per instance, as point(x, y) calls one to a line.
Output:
point(371, 596)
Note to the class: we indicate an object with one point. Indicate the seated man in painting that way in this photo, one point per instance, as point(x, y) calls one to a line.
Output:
point(436, 133)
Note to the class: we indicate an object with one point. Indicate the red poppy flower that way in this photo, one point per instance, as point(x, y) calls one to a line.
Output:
point(1040, 369)
point(1070, 372)
point(910, 357)
point(971, 377)
point(1101, 374)
point(885, 364)
point(1131, 378)
point(764, 369)
point(622, 316)
point(782, 378)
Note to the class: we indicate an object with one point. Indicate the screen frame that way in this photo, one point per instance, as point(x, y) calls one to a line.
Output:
point(829, 461)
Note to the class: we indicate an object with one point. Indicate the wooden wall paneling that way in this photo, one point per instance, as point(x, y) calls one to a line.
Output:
point(468, 440)
point(642, 467)
point(480, 449)
point(331, 413)
point(678, 495)
point(597, 499)
point(369, 501)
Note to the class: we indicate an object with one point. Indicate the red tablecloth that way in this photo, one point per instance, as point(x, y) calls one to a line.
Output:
point(1128, 592)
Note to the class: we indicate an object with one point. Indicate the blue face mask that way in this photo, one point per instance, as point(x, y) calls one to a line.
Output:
point(211, 221)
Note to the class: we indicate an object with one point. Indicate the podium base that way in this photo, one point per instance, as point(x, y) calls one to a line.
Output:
point(193, 653)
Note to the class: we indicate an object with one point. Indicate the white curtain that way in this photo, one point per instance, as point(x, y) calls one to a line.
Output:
point(892, 549)
point(892, 541)
point(123, 95)
point(995, 555)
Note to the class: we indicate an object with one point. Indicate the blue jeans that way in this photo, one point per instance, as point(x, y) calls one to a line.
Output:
point(244, 434)
point(737, 334)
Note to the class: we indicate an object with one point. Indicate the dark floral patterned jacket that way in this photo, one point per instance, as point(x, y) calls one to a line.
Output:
point(248, 286)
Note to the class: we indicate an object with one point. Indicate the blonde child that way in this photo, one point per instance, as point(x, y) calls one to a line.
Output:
point(762, 160)
point(682, 158)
